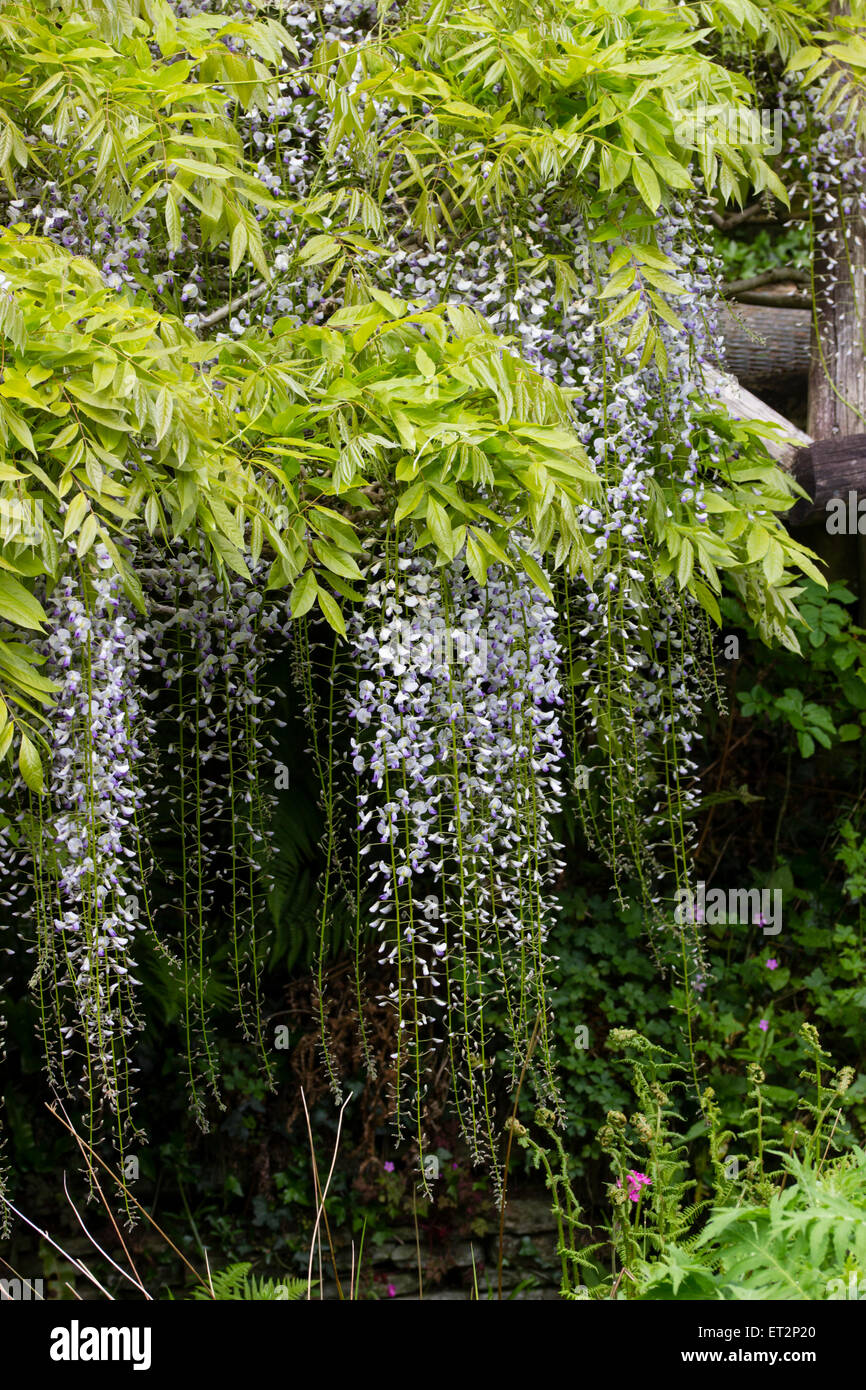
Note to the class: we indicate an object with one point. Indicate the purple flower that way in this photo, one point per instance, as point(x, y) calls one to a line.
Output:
point(455, 735)
point(636, 1181)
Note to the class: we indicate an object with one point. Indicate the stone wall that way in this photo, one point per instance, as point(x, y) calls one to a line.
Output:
point(451, 1270)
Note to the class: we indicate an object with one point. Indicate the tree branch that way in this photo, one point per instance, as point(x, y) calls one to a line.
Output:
point(736, 219)
point(240, 302)
point(780, 275)
point(776, 301)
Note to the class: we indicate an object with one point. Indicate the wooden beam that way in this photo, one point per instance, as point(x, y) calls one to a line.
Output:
point(827, 469)
point(744, 406)
point(766, 347)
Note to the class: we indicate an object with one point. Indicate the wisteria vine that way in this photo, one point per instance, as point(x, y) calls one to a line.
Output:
point(458, 718)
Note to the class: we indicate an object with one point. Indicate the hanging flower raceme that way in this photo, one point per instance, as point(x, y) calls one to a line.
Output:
point(85, 839)
point(188, 677)
point(456, 754)
point(211, 638)
point(638, 654)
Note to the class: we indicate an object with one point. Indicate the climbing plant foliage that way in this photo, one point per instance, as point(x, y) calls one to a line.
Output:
point(366, 347)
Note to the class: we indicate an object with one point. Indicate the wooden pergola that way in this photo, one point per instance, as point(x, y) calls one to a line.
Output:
point(774, 341)
point(820, 352)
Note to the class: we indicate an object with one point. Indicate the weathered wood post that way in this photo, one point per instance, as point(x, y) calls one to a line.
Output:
point(837, 373)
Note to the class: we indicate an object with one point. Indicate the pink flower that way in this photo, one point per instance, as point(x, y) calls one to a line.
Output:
point(389, 1167)
point(763, 1025)
point(392, 1292)
point(772, 963)
point(635, 1182)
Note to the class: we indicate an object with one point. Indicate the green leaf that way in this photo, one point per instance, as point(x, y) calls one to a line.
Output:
point(804, 58)
point(18, 605)
point(172, 221)
point(685, 563)
point(646, 183)
point(76, 512)
point(395, 307)
point(336, 560)
point(21, 430)
point(331, 610)
point(440, 526)
point(410, 500)
point(535, 572)
point(619, 283)
point(86, 536)
point(476, 561)
point(304, 594)
point(161, 410)
point(237, 247)
point(30, 766)
point(625, 307)
point(318, 249)
point(757, 542)
point(425, 363)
